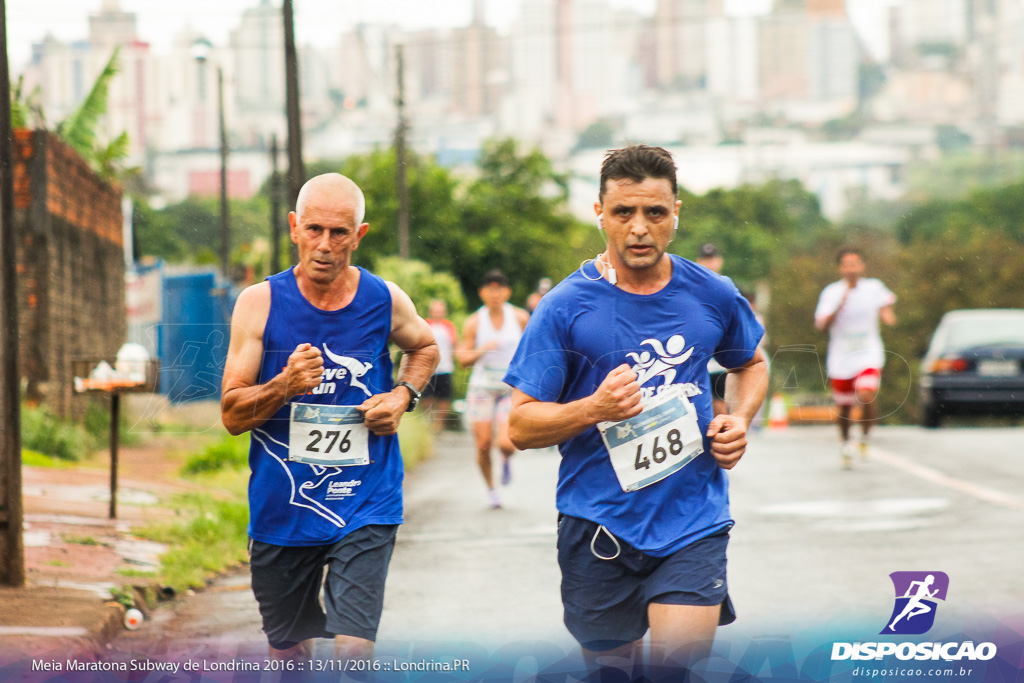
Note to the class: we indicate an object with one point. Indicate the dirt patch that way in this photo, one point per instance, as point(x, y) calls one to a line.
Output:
point(69, 537)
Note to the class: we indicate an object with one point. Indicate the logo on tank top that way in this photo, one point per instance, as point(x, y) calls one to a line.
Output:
point(349, 368)
point(663, 363)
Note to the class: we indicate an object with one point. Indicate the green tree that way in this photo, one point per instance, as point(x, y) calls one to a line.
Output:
point(514, 217)
point(433, 208)
point(511, 216)
point(754, 226)
point(155, 235)
point(998, 209)
point(423, 284)
point(598, 135)
point(181, 231)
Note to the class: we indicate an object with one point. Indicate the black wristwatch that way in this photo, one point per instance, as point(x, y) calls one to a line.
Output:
point(414, 400)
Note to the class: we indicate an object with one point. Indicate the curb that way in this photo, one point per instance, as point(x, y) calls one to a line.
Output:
point(111, 624)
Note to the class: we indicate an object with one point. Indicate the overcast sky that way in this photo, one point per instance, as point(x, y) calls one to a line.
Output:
point(317, 21)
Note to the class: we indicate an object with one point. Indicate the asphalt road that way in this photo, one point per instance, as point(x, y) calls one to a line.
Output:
point(813, 544)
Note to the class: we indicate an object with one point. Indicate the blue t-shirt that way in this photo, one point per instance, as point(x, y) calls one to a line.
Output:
point(298, 504)
point(584, 329)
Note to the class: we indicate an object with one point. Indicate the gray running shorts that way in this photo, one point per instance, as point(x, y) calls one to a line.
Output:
point(286, 581)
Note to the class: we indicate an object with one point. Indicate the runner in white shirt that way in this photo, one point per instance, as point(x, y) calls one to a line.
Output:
point(489, 340)
point(850, 310)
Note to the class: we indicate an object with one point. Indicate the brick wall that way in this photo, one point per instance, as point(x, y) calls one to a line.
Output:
point(70, 267)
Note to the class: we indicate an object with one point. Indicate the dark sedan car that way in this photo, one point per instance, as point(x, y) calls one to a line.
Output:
point(975, 365)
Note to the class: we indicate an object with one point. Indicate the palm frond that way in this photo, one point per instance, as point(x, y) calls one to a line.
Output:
point(79, 129)
point(107, 159)
point(19, 109)
point(36, 115)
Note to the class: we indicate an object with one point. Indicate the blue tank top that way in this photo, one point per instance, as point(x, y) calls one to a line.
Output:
point(298, 504)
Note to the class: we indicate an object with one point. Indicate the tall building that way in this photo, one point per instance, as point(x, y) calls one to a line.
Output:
point(819, 8)
point(783, 54)
point(257, 47)
point(935, 21)
point(833, 60)
point(789, 7)
point(533, 90)
point(65, 72)
point(112, 27)
point(826, 8)
point(455, 71)
point(680, 28)
point(477, 65)
point(734, 57)
point(809, 53)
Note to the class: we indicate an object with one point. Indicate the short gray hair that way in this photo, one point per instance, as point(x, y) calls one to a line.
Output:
point(336, 182)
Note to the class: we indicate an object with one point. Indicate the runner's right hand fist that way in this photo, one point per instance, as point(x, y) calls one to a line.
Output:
point(617, 398)
point(305, 369)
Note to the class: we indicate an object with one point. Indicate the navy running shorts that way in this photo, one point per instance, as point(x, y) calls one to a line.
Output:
point(439, 387)
point(606, 600)
point(286, 581)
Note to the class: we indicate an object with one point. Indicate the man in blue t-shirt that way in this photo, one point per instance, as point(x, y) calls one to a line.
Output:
point(613, 369)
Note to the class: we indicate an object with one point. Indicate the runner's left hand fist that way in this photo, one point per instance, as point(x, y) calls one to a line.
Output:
point(383, 412)
point(728, 434)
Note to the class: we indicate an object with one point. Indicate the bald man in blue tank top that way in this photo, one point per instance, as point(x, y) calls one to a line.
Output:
point(309, 375)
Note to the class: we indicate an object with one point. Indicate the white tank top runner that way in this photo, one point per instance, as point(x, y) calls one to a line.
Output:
point(490, 368)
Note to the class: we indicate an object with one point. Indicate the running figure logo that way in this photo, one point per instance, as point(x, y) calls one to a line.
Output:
point(916, 595)
point(664, 363)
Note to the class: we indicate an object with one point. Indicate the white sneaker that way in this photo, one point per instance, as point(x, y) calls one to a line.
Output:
point(863, 447)
point(494, 501)
point(846, 451)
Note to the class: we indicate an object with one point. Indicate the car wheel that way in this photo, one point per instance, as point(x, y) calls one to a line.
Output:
point(931, 417)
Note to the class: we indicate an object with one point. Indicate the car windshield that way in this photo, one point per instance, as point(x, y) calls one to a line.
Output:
point(986, 331)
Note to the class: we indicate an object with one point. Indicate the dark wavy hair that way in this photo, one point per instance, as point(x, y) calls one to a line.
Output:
point(637, 163)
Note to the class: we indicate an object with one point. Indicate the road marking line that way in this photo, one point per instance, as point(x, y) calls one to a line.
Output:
point(980, 492)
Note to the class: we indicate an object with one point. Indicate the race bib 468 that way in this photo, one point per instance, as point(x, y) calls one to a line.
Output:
point(658, 442)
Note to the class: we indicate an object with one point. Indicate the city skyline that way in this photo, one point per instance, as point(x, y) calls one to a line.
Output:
point(29, 21)
point(799, 91)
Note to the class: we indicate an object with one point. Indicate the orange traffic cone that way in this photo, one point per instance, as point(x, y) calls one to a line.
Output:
point(778, 415)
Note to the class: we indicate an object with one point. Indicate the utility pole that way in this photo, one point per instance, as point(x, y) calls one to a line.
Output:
point(400, 157)
point(275, 208)
point(12, 550)
point(225, 215)
point(296, 172)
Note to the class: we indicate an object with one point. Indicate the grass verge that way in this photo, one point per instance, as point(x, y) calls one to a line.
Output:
point(210, 538)
point(230, 453)
point(208, 534)
point(45, 433)
point(37, 459)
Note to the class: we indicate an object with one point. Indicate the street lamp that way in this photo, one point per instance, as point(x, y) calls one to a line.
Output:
point(200, 52)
